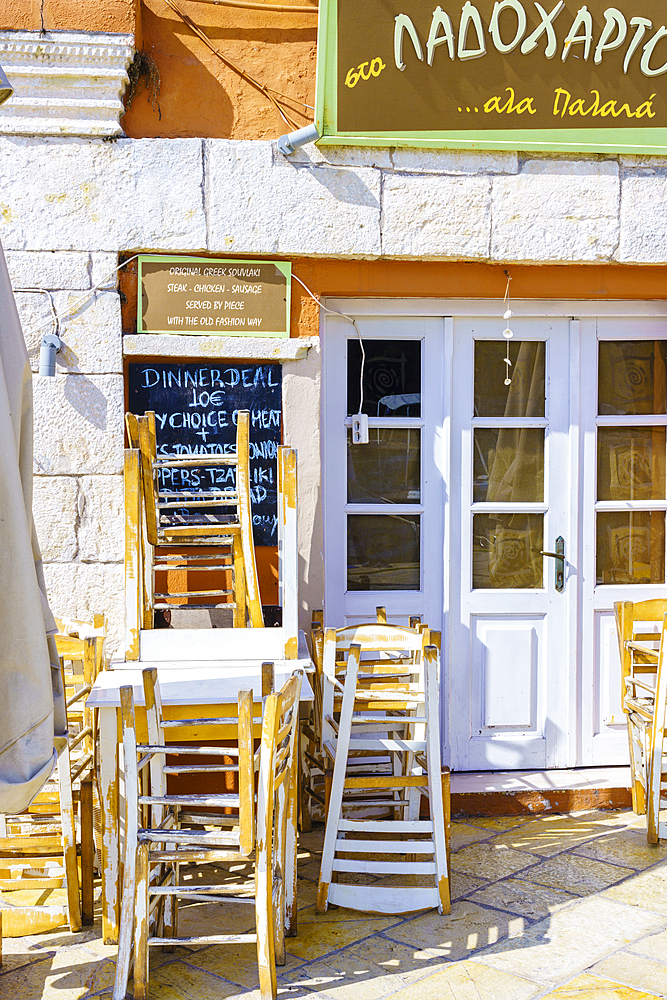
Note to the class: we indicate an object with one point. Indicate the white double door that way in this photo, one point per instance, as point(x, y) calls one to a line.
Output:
point(512, 623)
point(476, 468)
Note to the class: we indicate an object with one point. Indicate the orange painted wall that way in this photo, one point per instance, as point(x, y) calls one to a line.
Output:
point(73, 15)
point(201, 96)
point(198, 94)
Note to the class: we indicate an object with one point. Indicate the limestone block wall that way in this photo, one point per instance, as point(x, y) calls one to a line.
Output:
point(69, 205)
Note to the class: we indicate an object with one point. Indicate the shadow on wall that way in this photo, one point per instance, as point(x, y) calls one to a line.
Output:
point(200, 96)
point(87, 399)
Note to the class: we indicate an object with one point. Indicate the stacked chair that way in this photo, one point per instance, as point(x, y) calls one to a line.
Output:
point(188, 529)
point(381, 732)
point(314, 769)
point(641, 634)
point(166, 831)
point(51, 845)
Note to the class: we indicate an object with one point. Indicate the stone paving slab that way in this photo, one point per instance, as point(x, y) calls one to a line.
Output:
point(544, 908)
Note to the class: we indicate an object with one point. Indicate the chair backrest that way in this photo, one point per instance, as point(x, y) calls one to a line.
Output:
point(656, 792)
point(390, 657)
point(172, 483)
point(81, 660)
point(245, 769)
point(631, 619)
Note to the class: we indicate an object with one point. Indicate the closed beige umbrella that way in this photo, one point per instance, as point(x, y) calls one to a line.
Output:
point(32, 709)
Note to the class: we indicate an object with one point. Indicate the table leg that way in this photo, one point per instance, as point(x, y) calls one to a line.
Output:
point(109, 810)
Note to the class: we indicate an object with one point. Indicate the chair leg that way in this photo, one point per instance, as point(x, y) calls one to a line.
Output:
point(290, 861)
point(69, 839)
point(126, 924)
point(278, 867)
point(141, 922)
point(266, 963)
point(447, 806)
point(87, 849)
point(239, 588)
point(305, 823)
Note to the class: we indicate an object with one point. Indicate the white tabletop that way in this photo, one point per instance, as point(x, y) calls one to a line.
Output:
point(196, 682)
point(205, 684)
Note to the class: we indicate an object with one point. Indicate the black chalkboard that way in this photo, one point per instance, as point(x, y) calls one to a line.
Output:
point(195, 414)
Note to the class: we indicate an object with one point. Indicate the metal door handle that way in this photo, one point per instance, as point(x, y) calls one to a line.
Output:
point(559, 556)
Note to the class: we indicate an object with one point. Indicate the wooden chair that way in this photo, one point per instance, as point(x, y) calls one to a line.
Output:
point(313, 766)
point(40, 849)
point(166, 830)
point(656, 820)
point(185, 532)
point(381, 697)
point(638, 627)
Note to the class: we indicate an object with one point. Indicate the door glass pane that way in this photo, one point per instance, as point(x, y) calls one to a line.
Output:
point(386, 470)
point(631, 377)
point(392, 378)
point(631, 547)
point(508, 465)
point(383, 552)
point(507, 551)
point(524, 396)
point(631, 463)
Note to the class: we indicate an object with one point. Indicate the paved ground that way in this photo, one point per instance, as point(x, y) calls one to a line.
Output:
point(553, 906)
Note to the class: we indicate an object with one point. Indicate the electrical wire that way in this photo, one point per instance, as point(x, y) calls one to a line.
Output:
point(282, 8)
point(73, 310)
point(52, 306)
point(350, 319)
point(267, 91)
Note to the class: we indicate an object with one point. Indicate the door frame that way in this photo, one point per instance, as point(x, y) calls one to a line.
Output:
point(579, 312)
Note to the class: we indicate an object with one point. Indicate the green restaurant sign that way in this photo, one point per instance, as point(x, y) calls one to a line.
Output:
point(555, 75)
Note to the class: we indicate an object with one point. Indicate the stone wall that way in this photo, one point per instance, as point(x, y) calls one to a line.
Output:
point(69, 205)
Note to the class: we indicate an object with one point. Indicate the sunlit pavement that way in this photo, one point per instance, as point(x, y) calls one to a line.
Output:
point(548, 906)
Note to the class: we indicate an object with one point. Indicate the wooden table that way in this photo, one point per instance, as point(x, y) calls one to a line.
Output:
point(196, 689)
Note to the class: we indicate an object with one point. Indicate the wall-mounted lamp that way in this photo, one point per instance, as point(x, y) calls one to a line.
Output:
point(288, 144)
point(51, 344)
point(6, 89)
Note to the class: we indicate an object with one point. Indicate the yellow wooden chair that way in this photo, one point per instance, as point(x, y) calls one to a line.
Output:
point(185, 531)
point(639, 627)
point(41, 849)
point(166, 830)
point(313, 766)
point(656, 820)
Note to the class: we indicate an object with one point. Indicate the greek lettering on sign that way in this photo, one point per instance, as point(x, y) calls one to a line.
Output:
point(364, 71)
point(562, 36)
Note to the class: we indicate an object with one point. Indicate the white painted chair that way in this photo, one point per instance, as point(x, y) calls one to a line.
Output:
point(386, 752)
point(166, 830)
point(313, 765)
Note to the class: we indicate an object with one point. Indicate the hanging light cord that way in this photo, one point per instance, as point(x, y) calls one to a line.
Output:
point(507, 333)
